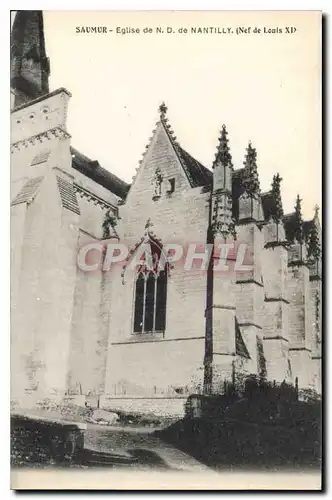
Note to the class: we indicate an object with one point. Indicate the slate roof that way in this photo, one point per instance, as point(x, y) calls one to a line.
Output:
point(308, 225)
point(197, 174)
point(237, 190)
point(289, 224)
point(268, 204)
point(240, 346)
point(94, 171)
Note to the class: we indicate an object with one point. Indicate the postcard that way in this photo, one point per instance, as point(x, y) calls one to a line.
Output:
point(166, 250)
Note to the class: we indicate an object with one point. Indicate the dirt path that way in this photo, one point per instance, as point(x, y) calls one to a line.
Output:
point(137, 448)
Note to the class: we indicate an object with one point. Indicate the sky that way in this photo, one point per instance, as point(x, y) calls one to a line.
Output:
point(265, 88)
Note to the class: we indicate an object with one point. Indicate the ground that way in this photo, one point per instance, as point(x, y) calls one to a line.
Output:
point(136, 448)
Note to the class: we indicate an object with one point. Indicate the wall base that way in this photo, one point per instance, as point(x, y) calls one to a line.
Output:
point(156, 406)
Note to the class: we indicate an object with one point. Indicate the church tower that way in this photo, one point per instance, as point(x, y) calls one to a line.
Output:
point(44, 218)
point(30, 67)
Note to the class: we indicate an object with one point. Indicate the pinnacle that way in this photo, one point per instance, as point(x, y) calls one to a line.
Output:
point(162, 110)
point(316, 210)
point(278, 209)
point(298, 234)
point(251, 181)
point(223, 154)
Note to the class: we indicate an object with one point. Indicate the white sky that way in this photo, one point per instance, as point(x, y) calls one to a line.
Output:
point(264, 88)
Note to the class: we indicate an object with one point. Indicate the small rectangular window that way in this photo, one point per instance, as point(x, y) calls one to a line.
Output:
point(171, 185)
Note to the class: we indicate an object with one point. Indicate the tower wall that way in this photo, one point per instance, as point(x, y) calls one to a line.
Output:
point(276, 305)
point(250, 291)
point(300, 336)
point(45, 222)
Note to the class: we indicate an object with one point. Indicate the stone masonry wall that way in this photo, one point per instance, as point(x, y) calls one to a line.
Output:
point(276, 308)
point(250, 293)
point(180, 217)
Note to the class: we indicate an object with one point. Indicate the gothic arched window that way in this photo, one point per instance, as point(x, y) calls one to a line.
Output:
point(150, 298)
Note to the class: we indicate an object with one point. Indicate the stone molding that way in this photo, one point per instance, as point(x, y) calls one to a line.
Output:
point(47, 135)
point(85, 193)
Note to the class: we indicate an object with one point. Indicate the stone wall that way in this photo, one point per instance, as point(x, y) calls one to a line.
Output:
point(158, 407)
point(172, 358)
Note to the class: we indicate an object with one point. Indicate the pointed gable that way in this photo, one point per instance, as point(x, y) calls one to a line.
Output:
point(165, 155)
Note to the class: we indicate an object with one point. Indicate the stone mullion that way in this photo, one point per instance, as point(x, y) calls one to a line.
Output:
point(144, 304)
point(155, 303)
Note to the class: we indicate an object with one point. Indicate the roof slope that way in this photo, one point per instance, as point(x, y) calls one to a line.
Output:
point(197, 174)
point(269, 205)
point(94, 171)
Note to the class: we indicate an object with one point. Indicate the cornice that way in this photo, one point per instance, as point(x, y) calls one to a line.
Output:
point(85, 193)
point(47, 135)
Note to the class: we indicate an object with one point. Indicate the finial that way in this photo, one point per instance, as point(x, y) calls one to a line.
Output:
point(316, 210)
point(148, 224)
point(277, 178)
point(251, 180)
point(223, 154)
point(298, 229)
point(163, 109)
point(278, 211)
point(298, 203)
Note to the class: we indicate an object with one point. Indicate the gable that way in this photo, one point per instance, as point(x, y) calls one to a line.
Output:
point(160, 155)
point(165, 155)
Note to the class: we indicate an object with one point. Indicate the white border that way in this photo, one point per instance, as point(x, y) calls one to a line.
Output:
point(325, 6)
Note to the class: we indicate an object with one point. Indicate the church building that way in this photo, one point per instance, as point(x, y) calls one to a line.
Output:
point(146, 337)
